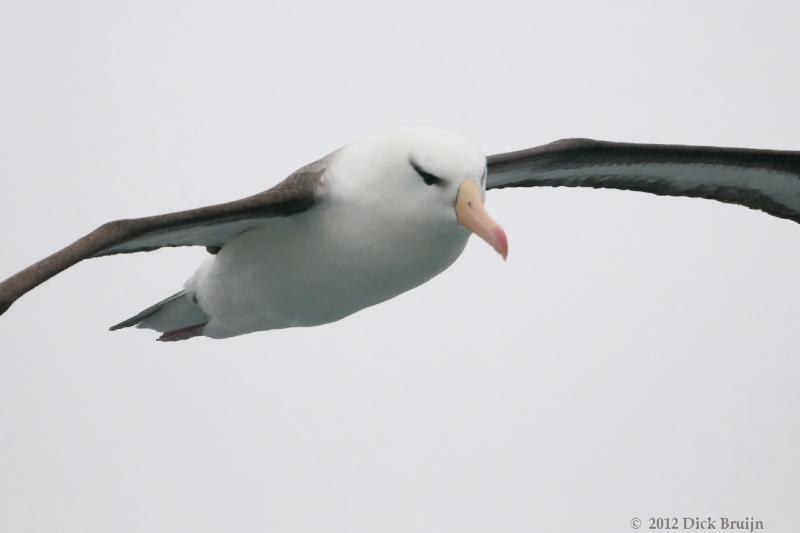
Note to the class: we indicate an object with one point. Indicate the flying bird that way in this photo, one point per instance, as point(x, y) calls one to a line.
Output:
point(383, 215)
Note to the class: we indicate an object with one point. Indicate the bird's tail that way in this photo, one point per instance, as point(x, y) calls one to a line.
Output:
point(178, 317)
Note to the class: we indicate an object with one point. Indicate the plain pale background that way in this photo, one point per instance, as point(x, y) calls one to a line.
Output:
point(636, 356)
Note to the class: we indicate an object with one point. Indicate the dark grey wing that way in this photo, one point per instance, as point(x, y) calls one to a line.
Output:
point(768, 180)
point(210, 226)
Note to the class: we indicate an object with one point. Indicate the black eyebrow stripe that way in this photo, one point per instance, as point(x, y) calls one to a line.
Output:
point(427, 177)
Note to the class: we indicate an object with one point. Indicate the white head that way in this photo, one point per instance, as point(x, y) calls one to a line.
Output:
point(423, 173)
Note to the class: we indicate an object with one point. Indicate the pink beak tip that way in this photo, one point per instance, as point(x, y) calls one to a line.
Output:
point(501, 242)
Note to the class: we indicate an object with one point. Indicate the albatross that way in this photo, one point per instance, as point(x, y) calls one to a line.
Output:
point(385, 214)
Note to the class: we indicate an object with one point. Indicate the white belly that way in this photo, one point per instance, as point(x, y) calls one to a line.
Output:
point(317, 267)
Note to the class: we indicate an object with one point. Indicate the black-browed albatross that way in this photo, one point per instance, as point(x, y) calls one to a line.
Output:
point(385, 214)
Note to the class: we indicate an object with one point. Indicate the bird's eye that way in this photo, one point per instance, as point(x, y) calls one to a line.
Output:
point(426, 176)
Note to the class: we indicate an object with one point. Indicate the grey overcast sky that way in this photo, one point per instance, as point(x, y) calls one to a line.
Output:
point(636, 356)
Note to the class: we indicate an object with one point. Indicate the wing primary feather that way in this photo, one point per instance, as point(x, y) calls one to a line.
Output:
point(768, 180)
point(210, 226)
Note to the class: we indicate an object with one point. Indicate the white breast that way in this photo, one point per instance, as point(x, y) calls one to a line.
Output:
point(320, 266)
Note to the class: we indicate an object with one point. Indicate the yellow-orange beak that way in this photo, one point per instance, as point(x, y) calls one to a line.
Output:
point(471, 214)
